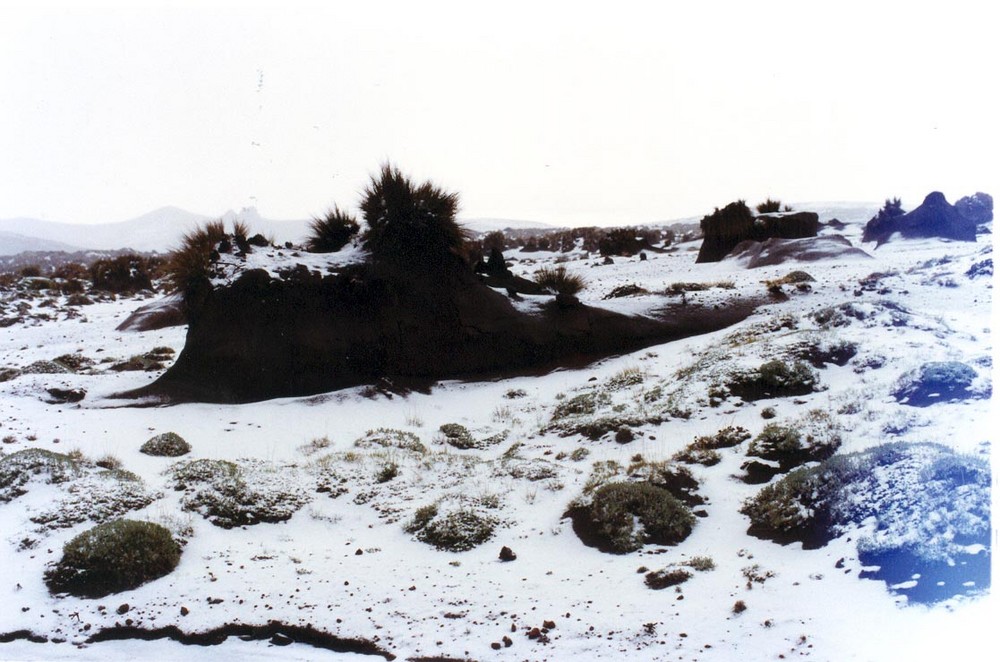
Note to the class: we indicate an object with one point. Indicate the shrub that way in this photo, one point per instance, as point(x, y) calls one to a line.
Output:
point(769, 206)
point(630, 515)
point(17, 469)
point(457, 531)
point(168, 444)
point(122, 274)
point(409, 225)
point(558, 281)
point(937, 381)
point(920, 497)
point(881, 223)
point(813, 437)
point(701, 563)
point(230, 495)
point(774, 379)
point(332, 232)
point(458, 436)
point(113, 557)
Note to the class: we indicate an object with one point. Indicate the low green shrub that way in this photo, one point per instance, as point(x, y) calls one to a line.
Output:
point(773, 379)
point(17, 469)
point(812, 437)
point(113, 557)
point(458, 531)
point(457, 435)
point(168, 444)
point(630, 515)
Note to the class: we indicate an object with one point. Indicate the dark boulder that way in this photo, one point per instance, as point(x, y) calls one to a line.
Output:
point(264, 337)
point(779, 251)
point(167, 312)
point(935, 217)
point(977, 208)
point(735, 223)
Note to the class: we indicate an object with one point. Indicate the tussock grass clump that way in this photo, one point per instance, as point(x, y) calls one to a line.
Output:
point(113, 557)
point(168, 444)
point(769, 206)
point(189, 267)
point(457, 435)
point(556, 280)
point(409, 225)
point(332, 232)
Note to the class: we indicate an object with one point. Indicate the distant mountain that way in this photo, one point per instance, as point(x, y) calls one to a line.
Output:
point(12, 243)
point(484, 225)
point(160, 230)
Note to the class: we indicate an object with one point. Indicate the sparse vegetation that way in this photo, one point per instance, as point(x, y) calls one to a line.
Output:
point(661, 579)
point(457, 531)
point(773, 379)
point(769, 206)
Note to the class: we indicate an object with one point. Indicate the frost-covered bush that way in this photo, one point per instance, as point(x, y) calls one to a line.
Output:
point(17, 469)
point(661, 579)
point(920, 497)
point(938, 381)
point(773, 379)
point(627, 516)
point(812, 437)
point(96, 497)
point(229, 494)
point(113, 557)
point(168, 444)
point(456, 531)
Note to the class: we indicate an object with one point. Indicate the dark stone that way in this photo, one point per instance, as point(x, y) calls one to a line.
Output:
point(779, 251)
point(507, 641)
point(496, 645)
point(160, 314)
point(624, 435)
point(279, 639)
point(977, 208)
point(259, 241)
point(726, 228)
point(59, 396)
point(122, 608)
point(935, 217)
point(758, 472)
point(507, 554)
point(262, 337)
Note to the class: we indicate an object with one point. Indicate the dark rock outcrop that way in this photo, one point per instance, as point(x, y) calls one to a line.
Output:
point(935, 217)
point(735, 223)
point(262, 337)
point(167, 312)
point(778, 251)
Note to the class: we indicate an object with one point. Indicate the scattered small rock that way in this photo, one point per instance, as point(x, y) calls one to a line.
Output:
point(507, 554)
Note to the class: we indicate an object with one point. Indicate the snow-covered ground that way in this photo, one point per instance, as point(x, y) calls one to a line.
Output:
point(347, 566)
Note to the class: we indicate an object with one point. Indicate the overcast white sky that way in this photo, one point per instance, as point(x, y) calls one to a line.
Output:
point(563, 112)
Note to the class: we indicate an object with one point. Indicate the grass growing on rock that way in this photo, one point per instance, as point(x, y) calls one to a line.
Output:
point(113, 557)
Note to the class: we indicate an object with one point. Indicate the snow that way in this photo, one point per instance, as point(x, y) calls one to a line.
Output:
point(413, 600)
